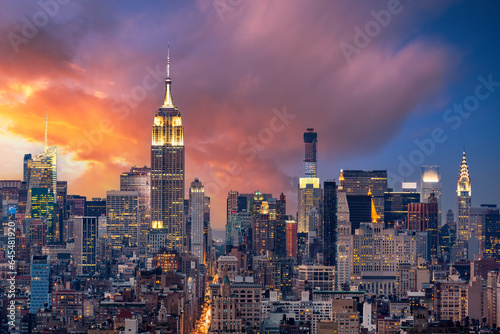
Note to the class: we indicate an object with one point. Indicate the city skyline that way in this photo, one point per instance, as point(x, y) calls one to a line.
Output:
point(220, 119)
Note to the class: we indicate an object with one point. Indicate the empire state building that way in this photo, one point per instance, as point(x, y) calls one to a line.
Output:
point(167, 175)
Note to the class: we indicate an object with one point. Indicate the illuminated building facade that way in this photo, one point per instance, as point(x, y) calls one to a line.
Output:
point(423, 217)
point(463, 201)
point(291, 238)
point(263, 230)
point(343, 234)
point(359, 182)
point(85, 232)
point(122, 215)
point(41, 172)
point(430, 183)
point(167, 172)
point(196, 212)
point(396, 207)
point(42, 207)
point(309, 192)
point(139, 179)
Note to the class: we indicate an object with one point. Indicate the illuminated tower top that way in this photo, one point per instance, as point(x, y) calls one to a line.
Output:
point(463, 183)
point(311, 142)
point(168, 102)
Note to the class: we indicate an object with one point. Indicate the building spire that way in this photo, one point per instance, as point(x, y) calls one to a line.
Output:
point(168, 102)
point(168, 60)
point(45, 145)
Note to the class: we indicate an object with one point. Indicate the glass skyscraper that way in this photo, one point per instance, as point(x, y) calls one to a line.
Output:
point(430, 183)
point(40, 283)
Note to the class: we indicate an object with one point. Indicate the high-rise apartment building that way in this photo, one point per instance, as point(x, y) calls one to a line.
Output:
point(430, 183)
point(167, 173)
point(291, 238)
point(85, 234)
point(196, 210)
point(463, 201)
point(139, 179)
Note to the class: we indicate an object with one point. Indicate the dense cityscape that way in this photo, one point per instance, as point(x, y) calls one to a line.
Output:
point(357, 251)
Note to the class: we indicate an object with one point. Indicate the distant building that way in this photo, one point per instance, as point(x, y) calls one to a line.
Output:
point(463, 201)
point(122, 215)
point(40, 290)
point(139, 180)
point(329, 231)
point(423, 217)
point(85, 232)
point(196, 212)
point(430, 183)
point(358, 182)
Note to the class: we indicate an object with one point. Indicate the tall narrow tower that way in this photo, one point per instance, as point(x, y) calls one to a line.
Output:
point(167, 174)
point(309, 194)
point(463, 201)
point(196, 212)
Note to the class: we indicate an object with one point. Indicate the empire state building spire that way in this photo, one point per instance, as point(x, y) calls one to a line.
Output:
point(168, 102)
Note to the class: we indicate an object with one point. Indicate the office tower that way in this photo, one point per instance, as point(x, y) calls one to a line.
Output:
point(358, 182)
point(75, 205)
point(95, 208)
point(41, 171)
point(232, 203)
point(396, 207)
point(329, 223)
point(40, 283)
point(450, 217)
point(430, 183)
point(26, 162)
point(309, 194)
point(376, 254)
point(196, 209)
point(463, 200)
point(360, 210)
point(280, 238)
point(477, 217)
point(291, 238)
point(263, 230)
point(316, 277)
point(85, 232)
point(423, 217)
point(492, 231)
point(167, 172)
point(122, 214)
point(42, 207)
point(38, 236)
point(139, 179)
point(343, 234)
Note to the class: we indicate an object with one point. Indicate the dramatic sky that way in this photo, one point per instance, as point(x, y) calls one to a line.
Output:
point(249, 77)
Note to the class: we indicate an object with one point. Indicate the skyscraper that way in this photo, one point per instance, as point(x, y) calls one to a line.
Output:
point(430, 183)
point(139, 179)
point(291, 238)
point(42, 207)
point(359, 182)
point(196, 209)
point(309, 195)
point(40, 282)
point(85, 232)
point(396, 206)
point(41, 171)
point(122, 212)
point(423, 217)
point(329, 223)
point(463, 200)
point(167, 172)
